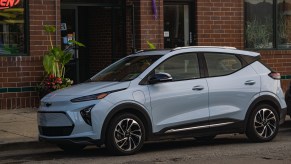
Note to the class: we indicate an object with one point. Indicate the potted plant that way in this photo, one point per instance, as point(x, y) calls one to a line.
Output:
point(54, 65)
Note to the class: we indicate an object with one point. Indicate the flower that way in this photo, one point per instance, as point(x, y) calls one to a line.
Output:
point(52, 83)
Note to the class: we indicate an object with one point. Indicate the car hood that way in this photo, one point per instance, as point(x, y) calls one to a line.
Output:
point(89, 88)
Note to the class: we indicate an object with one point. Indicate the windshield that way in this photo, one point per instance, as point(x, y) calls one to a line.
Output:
point(126, 69)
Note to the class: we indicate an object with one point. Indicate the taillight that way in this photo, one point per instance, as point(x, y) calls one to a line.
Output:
point(275, 75)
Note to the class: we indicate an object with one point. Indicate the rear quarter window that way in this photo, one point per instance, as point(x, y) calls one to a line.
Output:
point(219, 64)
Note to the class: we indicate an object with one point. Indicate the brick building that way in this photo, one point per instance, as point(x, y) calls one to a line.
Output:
point(111, 29)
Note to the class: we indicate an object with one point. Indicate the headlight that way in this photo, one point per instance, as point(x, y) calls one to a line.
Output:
point(90, 97)
point(95, 96)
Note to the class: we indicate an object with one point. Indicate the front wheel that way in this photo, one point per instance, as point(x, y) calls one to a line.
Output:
point(263, 124)
point(125, 135)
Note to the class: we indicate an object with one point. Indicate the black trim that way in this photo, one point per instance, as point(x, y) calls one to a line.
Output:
point(130, 108)
point(55, 131)
point(197, 124)
point(202, 65)
point(236, 127)
point(81, 140)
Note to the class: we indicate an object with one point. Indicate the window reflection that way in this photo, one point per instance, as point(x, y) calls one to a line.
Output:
point(284, 23)
point(259, 23)
point(12, 39)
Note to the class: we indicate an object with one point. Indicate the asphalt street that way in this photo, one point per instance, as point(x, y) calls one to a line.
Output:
point(224, 149)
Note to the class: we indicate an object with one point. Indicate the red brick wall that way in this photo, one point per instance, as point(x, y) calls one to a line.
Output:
point(149, 28)
point(220, 23)
point(280, 61)
point(27, 71)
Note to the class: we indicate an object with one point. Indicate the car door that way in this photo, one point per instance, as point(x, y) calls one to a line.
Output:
point(183, 101)
point(232, 85)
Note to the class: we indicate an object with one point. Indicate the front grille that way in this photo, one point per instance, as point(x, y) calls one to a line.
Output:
point(56, 131)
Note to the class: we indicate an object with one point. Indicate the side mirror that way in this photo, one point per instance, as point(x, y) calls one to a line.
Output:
point(160, 77)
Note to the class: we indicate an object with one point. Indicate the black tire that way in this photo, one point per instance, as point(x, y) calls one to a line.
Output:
point(205, 138)
point(125, 134)
point(288, 102)
point(71, 148)
point(263, 124)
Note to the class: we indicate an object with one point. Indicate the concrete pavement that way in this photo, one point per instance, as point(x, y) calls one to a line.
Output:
point(18, 126)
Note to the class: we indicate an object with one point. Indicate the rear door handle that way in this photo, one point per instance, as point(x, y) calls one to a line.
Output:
point(250, 82)
point(198, 88)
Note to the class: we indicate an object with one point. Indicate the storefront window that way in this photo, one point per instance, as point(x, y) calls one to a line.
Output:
point(284, 23)
point(268, 24)
point(12, 27)
point(259, 23)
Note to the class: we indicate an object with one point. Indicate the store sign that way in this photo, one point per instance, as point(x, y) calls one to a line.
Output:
point(6, 4)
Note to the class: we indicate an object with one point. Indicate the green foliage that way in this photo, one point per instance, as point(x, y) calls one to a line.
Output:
point(259, 34)
point(54, 62)
point(151, 45)
point(49, 29)
point(77, 43)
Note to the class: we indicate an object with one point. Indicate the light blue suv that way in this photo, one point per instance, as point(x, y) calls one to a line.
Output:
point(189, 91)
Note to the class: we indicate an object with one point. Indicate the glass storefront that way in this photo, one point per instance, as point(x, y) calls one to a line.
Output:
point(12, 27)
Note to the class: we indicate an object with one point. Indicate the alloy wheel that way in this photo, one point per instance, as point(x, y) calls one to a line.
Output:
point(265, 123)
point(127, 134)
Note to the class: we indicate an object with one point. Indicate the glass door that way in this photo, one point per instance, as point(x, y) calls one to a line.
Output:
point(177, 22)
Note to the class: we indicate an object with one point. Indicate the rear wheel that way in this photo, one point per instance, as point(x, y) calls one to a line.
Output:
point(263, 124)
point(125, 135)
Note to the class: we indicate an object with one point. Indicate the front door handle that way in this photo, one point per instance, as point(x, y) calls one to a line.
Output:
point(198, 88)
point(250, 82)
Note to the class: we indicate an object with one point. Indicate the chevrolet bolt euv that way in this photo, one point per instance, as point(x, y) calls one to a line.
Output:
point(195, 92)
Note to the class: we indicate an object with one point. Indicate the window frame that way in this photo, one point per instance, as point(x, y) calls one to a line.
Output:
point(274, 27)
point(26, 33)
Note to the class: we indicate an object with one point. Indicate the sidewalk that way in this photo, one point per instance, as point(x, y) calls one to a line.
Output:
point(18, 126)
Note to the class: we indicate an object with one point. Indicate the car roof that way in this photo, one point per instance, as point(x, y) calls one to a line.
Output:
point(218, 49)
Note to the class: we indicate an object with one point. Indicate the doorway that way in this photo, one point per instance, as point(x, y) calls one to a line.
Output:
point(101, 28)
point(178, 24)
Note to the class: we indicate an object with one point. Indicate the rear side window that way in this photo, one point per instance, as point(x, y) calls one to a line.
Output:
point(219, 64)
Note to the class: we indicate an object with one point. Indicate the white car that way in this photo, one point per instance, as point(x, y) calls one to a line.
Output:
point(150, 95)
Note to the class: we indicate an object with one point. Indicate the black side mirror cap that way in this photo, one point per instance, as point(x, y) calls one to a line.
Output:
point(160, 77)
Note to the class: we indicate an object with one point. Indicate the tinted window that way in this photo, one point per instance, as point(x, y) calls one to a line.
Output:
point(222, 64)
point(126, 69)
point(181, 67)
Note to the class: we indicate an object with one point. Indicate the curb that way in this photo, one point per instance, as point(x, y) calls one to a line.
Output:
point(24, 145)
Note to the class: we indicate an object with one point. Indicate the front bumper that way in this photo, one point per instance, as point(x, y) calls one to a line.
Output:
point(283, 114)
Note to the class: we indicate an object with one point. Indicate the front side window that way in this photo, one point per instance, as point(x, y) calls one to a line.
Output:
point(267, 24)
point(181, 67)
point(221, 64)
point(126, 69)
point(12, 27)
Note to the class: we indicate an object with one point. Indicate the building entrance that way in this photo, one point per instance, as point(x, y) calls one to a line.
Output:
point(101, 27)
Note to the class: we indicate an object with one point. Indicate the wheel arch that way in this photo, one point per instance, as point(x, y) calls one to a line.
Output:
point(132, 108)
point(265, 99)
